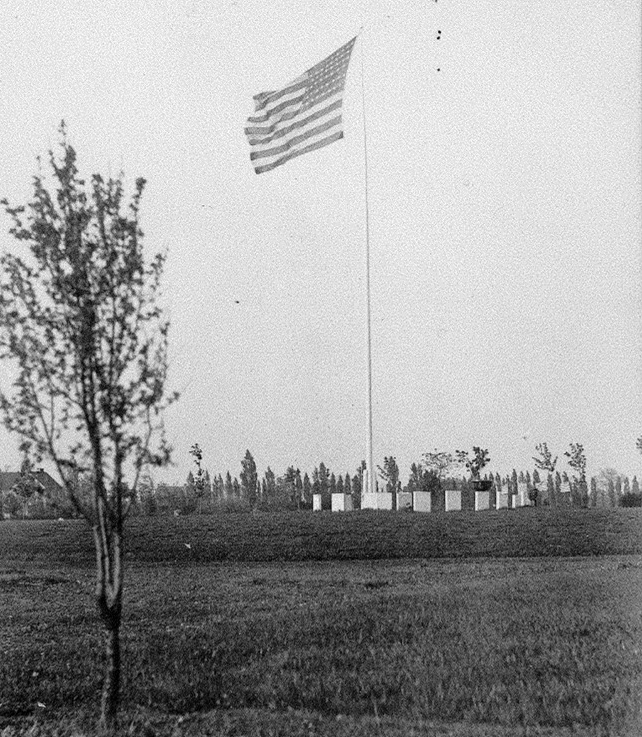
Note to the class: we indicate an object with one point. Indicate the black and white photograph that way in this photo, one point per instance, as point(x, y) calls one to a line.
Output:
point(321, 368)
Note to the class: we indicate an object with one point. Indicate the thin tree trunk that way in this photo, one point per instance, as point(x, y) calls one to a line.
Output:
point(111, 683)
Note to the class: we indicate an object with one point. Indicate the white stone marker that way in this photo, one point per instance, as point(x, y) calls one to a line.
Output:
point(316, 502)
point(421, 501)
point(565, 488)
point(341, 503)
point(384, 500)
point(522, 494)
point(453, 500)
point(368, 501)
point(482, 500)
point(501, 497)
point(404, 500)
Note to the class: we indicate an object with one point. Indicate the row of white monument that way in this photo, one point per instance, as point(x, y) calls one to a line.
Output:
point(421, 501)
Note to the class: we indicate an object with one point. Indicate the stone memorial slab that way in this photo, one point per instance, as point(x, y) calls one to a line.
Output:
point(421, 501)
point(501, 498)
point(482, 500)
point(341, 503)
point(452, 500)
point(384, 500)
point(316, 502)
point(368, 501)
point(522, 494)
point(565, 488)
point(404, 500)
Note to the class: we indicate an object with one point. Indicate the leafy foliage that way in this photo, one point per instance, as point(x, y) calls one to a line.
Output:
point(80, 323)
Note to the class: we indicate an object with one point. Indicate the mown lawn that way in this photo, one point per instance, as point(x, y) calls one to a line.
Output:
point(441, 644)
point(298, 536)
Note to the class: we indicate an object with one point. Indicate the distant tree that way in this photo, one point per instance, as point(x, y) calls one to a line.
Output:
point(321, 485)
point(474, 464)
point(635, 487)
point(593, 493)
point(229, 486)
point(236, 488)
point(439, 462)
point(307, 491)
point(356, 490)
point(612, 499)
point(638, 443)
point(528, 478)
point(198, 479)
point(577, 461)
point(27, 486)
point(521, 478)
point(513, 481)
point(339, 488)
point(618, 489)
point(544, 460)
point(414, 480)
point(249, 479)
point(79, 318)
point(146, 495)
point(347, 486)
point(390, 476)
point(332, 484)
point(550, 489)
point(270, 484)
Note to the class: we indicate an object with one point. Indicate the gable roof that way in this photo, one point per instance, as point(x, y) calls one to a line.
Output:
point(9, 478)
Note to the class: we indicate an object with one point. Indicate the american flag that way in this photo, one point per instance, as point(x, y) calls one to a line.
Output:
point(303, 116)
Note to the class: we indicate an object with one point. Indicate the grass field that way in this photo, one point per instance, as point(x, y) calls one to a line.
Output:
point(501, 623)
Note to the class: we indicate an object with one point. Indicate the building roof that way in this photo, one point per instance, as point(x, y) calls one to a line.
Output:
point(9, 478)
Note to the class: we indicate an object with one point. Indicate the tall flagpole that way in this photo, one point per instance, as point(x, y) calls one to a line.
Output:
point(371, 486)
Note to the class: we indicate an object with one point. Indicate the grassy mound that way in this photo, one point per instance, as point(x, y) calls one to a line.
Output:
point(340, 536)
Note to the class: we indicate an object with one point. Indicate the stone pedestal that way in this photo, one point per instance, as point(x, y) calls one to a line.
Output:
point(421, 501)
point(341, 503)
point(368, 501)
point(501, 498)
point(452, 499)
point(316, 502)
point(404, 500)
point(384, 500)
point(482, 500)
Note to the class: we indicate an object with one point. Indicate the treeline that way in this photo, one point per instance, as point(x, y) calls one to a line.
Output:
point(204, 492)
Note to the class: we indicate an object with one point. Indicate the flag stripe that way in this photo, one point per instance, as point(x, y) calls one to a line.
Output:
point(293, 98)
point(292, 142)
point(293, 154)
point(264, 98)
point(261, 143)
point(279, 121)
point(303, 116)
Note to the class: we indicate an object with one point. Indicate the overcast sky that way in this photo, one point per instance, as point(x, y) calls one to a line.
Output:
point(504, 217)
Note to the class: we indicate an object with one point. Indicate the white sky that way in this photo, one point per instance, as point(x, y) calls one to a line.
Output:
point(505, 217)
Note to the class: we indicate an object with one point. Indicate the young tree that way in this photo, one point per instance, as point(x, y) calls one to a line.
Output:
point(390, 475)
point(249, 479)
point(270, 484)
point(229, 486)
point(198, 479)
point(577, 460)
point(439, 462)
point(307, 491)
point(544, 461)
point(347, 485)
point(80, 320)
